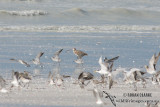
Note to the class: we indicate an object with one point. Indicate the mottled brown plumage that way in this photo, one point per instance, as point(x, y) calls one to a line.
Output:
point(79, 53)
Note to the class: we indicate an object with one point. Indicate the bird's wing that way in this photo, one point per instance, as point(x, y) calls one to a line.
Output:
point(26, 76)
point(156, 58)
point(39, 55)
point(157, 73)
point(80, 76)
point(152, 61)
point(88, 75)
point(25, 63)
point(82, 54)
point(102, 64)
point(110, 68)
point(110, 60)
point(58, 52)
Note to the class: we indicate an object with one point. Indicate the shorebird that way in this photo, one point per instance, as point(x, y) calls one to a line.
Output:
point(36, 61)
point(106, 70)
point(51, 78)
point(79, 55)
point(21, 62)
point(3, 85)
point(151, 69)
point(15, 82)
point(84, 76)
point(156, 78)
point(133, 76)
point(56, 56)
point(24, 78)
point(57, 80)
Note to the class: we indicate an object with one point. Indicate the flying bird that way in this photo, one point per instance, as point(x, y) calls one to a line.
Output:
point(151, 68)
point(84, 76)
point(56, 57)
point(133, 76)
point(24, 78)
point(110, 61)
point(36, 61)
point(21, 62)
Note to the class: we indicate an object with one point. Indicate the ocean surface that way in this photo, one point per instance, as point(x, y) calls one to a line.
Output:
point(108, 28)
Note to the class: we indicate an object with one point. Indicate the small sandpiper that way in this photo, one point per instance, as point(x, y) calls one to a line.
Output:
point(25, 78)
point(56, 57)
point(3, 85)
point(84, 76)
point(151, 69)
point(21, 62)
point(36, 61)
point(15, 82)
point(57, 80)
point(133, 76)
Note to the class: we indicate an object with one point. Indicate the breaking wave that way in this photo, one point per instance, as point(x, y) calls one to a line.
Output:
point(75, 11)
point(106, 28)
point(24, 12)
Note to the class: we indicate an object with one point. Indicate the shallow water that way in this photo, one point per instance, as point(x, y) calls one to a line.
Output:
point(134, 49)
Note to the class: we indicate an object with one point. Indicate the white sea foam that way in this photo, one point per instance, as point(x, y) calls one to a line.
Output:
point(25, 12)
point(106, 28)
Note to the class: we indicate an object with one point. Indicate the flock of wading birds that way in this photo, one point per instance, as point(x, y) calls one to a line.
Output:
point(131, 76)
